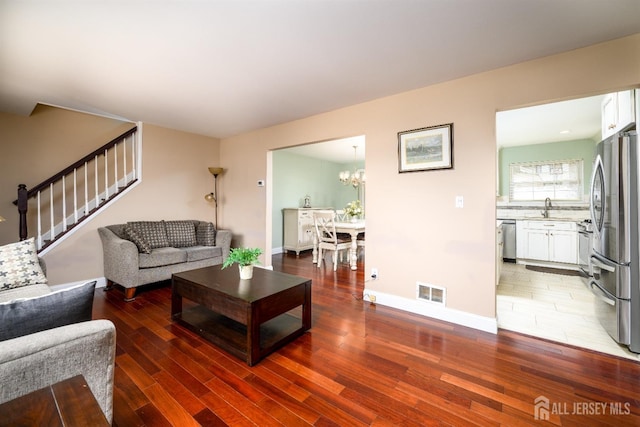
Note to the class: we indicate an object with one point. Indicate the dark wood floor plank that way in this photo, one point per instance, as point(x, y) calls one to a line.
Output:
point(249, 409)
point(282, 414)
point(152, 416)
point(170, 409)
point(360, 364)
point(328, 392)
point(225, 411)
point(134, 371)
point(125, 416)
point(180, 393)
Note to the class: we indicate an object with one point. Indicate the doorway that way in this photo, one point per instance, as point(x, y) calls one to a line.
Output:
point(310, 173)
point(542, 303)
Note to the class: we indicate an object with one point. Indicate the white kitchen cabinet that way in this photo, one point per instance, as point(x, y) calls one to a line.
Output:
point(499, 252)
point(617, 111)
point(298, 229)
point(537, 244)
point(563, 246)
point(553, 241)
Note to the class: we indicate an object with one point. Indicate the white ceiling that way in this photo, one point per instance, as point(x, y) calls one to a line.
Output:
point(222, 67)
point(578, 119)
point(337, 150)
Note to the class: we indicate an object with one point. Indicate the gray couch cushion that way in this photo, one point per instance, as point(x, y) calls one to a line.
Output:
point(19, 265)
point(197, 253)
point(181, 234)
point(30, 315)
point(162, 256)
point(206, 234)
point(25, 292)
point(153, 232)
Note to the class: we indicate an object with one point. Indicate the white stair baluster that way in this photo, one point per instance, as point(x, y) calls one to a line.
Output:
point(95, 175)
point(64, 203)
point(86, 190)
point(75, 196)
point(106, 176)
point(39, 221)
point(136, 143)
point(124, 161)
point(52, 233)
point(115, 169)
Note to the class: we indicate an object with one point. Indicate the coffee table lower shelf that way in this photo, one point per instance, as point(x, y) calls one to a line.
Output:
point(231, 336)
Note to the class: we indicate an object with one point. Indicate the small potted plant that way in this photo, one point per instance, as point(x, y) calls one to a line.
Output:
point(246, 258)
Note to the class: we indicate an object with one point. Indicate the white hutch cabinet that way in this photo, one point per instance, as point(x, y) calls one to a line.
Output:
point(298, 228)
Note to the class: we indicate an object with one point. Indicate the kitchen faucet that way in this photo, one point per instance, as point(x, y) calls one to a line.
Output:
point(547, 206)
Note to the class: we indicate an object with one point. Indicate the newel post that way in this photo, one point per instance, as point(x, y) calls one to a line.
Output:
point(22, 210)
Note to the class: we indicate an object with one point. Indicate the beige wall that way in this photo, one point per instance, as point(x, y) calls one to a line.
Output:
point(175, 180)
point(414, 231)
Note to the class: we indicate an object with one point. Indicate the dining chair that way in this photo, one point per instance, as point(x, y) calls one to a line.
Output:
point(328, 239)
point(360, 242)
point(341, 216)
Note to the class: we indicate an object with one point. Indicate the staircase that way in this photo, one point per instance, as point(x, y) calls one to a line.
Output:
point(61, 203)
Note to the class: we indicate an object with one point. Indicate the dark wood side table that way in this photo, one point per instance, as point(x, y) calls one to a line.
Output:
point(67, 403)
point(248, 318)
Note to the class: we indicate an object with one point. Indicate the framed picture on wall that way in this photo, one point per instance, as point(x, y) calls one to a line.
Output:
point(424, 149)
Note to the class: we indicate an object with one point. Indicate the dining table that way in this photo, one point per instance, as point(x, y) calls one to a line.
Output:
point(351, 227)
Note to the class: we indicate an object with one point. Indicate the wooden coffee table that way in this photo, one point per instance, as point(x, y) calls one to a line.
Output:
point(248, 318)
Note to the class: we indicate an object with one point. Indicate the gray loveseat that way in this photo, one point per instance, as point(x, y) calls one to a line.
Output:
point(47, 337)
point(142, 252)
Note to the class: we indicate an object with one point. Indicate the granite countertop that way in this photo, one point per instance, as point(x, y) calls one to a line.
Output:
point(556, 213)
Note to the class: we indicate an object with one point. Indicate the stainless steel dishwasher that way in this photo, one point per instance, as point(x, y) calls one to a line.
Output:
point(509, 239)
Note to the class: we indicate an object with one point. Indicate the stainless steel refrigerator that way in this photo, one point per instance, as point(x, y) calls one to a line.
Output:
point(615, 255)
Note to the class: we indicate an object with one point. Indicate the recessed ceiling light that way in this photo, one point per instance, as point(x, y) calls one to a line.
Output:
point(564, 132)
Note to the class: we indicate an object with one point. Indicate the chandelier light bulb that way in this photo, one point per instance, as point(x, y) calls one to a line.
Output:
point(354, 179)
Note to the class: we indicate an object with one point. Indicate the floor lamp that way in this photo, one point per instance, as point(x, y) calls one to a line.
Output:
point(213, 197)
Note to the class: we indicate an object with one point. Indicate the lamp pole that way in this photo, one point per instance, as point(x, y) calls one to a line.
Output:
point(214, 196)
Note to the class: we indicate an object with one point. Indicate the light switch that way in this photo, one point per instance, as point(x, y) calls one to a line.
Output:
point(459, 202)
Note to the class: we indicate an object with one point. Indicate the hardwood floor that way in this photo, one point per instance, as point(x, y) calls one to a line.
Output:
point(360, 364)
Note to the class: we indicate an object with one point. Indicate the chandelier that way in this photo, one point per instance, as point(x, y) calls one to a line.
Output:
point(355, 178)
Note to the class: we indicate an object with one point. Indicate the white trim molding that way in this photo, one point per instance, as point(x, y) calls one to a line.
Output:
point(486, 324)
point(101, 282)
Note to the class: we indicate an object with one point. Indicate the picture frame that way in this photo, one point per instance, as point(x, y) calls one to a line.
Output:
point(425, 149)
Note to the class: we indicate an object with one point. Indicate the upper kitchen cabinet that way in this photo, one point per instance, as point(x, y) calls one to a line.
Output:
point(617, 112)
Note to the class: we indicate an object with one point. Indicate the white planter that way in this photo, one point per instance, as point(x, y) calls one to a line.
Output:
point(246, 271)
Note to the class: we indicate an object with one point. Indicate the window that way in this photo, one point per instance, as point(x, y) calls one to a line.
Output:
point(556, 179)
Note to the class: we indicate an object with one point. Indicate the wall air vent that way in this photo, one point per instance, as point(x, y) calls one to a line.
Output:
point(431, 293)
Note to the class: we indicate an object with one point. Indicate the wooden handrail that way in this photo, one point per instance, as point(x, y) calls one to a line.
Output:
point(34, 190)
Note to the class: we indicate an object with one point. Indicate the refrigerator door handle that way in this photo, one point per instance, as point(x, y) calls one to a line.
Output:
point(599, 293)
point(597, 263)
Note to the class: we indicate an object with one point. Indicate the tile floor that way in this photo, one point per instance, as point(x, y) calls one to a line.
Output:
point(552, 306)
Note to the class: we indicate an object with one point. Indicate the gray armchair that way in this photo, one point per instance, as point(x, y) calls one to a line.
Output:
point(31, 362)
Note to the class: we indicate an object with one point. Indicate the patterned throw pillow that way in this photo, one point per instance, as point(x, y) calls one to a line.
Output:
point(131, 234)
point(19, 265)
point(206, 234)
point(181, 234)
point(152, 232)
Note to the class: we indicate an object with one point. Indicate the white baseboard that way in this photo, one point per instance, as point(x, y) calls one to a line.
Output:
point(275, 251)
point(486, 324)
point(101, 282)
